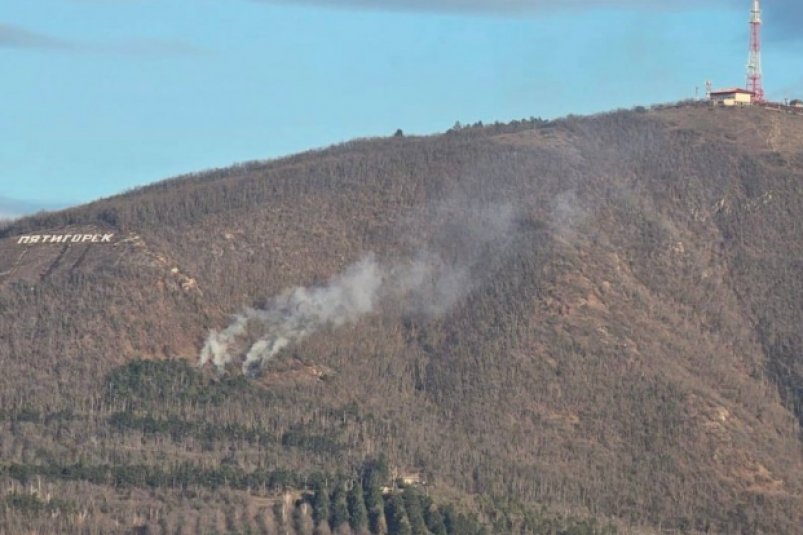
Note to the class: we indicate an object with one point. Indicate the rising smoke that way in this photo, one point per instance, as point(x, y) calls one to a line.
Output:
point(427, 284)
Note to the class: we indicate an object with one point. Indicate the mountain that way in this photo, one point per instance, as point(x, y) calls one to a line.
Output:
point(587, 324)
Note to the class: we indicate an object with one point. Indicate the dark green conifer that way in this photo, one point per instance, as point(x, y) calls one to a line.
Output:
point(357, 510)
point(375, 503)
point(321, 505)
point(340, 510)
point(398, 523)
point(415, 515)
point(435, 522)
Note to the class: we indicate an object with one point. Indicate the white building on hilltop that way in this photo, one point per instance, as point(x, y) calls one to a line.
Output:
point(732, 97)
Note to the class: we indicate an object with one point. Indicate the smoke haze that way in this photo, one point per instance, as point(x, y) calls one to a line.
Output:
point(427, 284)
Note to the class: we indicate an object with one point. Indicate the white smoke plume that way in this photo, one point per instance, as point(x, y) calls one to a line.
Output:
point(297, 313)
point(426, 284)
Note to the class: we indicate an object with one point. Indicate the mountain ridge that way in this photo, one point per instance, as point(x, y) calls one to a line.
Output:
point(626, 346)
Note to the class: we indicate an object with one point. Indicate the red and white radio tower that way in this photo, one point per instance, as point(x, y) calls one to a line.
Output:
point(755, 83)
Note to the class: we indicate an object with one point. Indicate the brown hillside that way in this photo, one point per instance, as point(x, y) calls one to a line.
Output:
point(626, 345)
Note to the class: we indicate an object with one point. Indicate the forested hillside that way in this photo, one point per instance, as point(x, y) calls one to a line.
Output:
point(588, 325)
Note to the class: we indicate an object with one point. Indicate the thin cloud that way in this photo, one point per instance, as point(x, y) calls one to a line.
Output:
point(784, 18)
point(14, 37)
point(502, 7)
point(152, 48)
point(14, 208)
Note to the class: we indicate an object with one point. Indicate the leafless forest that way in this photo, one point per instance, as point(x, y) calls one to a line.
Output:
point(602, 336)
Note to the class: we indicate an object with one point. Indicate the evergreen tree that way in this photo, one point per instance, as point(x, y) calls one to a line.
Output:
point(321, 505)
point(376, 505)
point(435, 521)
point(450, 519)
point(415, 515)
point(357, 510)
point(340, 510)
point(373, 491)
point(398, 523)
point(378, 471)
point(460, 524)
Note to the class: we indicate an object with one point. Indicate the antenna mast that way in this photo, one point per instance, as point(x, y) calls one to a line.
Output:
point(755, 82)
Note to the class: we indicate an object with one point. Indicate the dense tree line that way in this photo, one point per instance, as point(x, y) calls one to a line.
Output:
point(359, 505)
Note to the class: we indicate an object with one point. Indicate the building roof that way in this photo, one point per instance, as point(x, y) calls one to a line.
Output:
point(734, 90)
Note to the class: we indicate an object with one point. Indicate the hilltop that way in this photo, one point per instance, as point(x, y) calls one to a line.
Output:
point(608, 327)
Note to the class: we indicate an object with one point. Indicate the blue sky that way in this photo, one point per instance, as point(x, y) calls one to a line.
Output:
point(99, 96)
